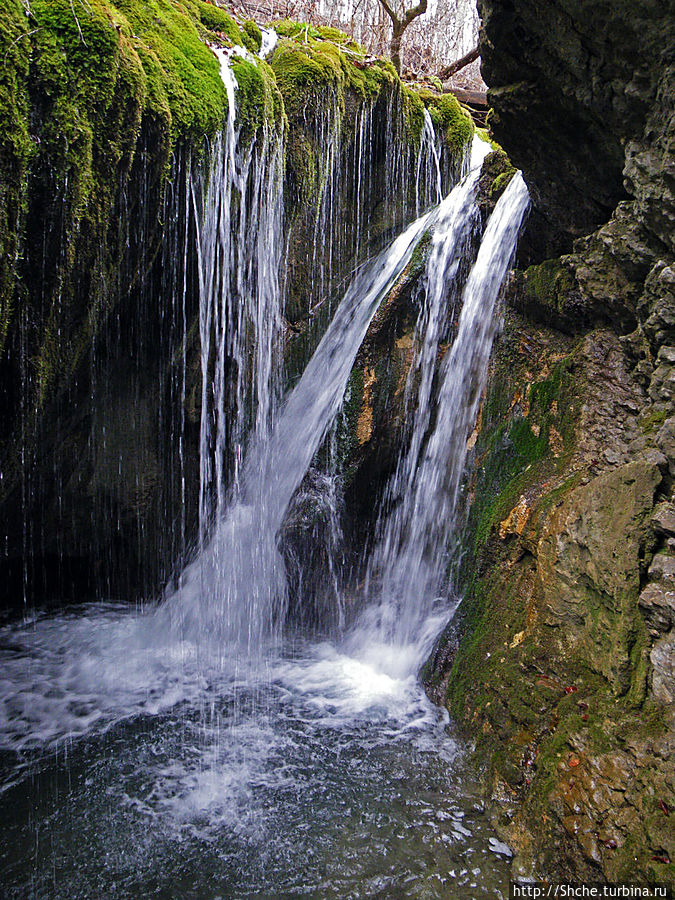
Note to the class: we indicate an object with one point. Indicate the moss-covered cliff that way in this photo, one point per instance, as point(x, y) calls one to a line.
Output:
point(107, 109)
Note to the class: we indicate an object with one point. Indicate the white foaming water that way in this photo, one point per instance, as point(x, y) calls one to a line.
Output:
point(408, 567)
point(269, 41)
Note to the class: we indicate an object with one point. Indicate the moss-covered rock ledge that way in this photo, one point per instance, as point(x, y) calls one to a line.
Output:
point(107, 109)
point(103, 106)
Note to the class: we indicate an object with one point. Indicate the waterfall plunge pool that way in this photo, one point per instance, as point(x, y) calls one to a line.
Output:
point(322, 775)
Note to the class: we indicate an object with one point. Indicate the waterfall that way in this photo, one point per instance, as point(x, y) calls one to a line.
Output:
point(429, 163)
point(408, 566)
point(235, 589)
point(186, 743)
point(230, 601)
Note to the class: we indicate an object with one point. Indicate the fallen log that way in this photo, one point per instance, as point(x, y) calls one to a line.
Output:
point(470, 98)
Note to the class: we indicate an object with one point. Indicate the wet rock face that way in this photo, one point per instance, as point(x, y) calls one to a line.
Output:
point(583, 76)
point(589, 565)
point(563, 671)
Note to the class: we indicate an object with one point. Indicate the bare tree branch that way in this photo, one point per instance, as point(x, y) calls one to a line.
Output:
point(453, 68)
point(395, 21)
point(416, 11)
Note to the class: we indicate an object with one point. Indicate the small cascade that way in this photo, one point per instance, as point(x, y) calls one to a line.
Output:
point(408, 566)
point(269, 41)
point(429, 164)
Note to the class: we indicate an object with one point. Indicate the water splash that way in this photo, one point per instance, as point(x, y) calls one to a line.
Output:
point(269, 41)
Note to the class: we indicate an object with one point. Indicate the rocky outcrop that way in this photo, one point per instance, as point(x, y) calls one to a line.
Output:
point(557, 673)
point(561, 661)
point(584, 76)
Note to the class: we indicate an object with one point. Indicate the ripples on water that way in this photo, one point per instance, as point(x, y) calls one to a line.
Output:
point(325, 775)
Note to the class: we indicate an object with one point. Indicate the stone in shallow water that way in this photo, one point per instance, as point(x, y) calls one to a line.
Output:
point(500, 847)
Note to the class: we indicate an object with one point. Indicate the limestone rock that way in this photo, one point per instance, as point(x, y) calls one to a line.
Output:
point(589, 565)
point(663, 665)
point(665, 440)
point(657, 602)
point(663, 519)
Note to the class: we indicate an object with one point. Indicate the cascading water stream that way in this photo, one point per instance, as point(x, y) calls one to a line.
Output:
point(235, 589)
point(408, 566)
point(269, 41)
point(429, 162)
point(238, 249)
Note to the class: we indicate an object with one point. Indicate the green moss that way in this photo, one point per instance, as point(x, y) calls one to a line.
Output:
point(298, 68)
point(252, 36)
point(347, 440)
point(181, 74)
point(304, 166)
point(258, 99)
point(653, 420)
point(216, 19)
point(515, 451)
point(304, 67)
point(334, 34)
point(485, 135)
point(500, 183)
point(78, 83)
point(418, 260)
point(549, 284)
point(307, 33)
point(413, 112)
point(543, 393)
point(16, 149)
point(449, 118)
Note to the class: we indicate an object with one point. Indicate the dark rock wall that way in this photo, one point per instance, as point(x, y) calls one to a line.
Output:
point(583, 76)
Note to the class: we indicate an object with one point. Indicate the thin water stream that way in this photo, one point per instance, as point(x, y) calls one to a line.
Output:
point(200, 749)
